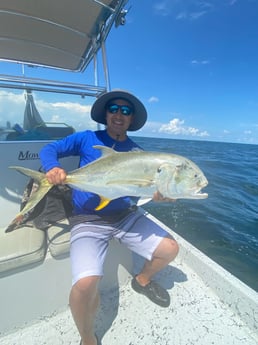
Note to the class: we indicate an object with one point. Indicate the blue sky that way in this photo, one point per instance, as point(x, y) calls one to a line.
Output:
point(193, 63)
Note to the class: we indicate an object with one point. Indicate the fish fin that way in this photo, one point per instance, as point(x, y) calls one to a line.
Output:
point(44, 186)
point(138, 183)
point(103, 203)
point(143, 201)
point(34, 199)
point(105, 151)
point(15, 223)
point(37, 175)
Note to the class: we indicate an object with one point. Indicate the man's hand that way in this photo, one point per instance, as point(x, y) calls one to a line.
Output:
point(56, 176)
point(157, 196)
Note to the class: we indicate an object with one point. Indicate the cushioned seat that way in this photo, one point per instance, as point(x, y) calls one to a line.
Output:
point(59, 239)
point(22, 247)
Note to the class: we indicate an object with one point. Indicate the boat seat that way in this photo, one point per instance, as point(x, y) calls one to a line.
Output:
point(23, 247)
point(58, 236)
point(12, 136)
point(28, 245)
point(41, 133)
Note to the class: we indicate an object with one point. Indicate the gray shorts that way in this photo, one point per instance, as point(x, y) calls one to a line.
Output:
point(89, 242)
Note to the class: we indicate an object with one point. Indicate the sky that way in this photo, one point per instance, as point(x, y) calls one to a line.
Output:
point(193, 63)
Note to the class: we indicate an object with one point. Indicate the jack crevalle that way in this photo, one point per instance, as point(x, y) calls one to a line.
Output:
point(116, 174)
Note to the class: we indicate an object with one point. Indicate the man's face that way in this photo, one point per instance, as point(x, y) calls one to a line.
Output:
point(117, 122)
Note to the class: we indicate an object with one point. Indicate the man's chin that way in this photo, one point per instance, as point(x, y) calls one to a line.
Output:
point(119, 129)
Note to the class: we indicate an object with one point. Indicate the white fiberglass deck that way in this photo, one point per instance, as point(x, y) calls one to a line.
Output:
point(196, 316)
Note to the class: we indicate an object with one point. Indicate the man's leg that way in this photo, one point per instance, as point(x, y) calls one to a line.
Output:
point(87, 252)
point(148, 239)
point(166, 252)
point(84, 301)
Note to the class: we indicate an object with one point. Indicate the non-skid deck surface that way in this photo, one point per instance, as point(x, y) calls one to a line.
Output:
point(195, 316)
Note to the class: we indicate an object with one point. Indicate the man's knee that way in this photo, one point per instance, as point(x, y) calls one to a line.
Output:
point(84, 297)
point(174, 248)
point(167, 249)
point(87, 285)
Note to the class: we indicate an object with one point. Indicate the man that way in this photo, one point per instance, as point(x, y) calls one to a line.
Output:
point(91, 230)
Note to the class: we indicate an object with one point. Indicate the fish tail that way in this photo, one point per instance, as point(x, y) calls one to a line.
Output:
point(36, 175)
point(35, 197)
point(15, 223)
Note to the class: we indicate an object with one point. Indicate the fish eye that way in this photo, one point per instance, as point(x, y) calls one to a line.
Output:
point(159, 170)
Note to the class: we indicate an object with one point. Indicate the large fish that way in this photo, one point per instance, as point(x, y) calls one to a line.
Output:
point(116, 174)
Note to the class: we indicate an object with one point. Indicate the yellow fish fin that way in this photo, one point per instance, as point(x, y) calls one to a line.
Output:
point(103, 203)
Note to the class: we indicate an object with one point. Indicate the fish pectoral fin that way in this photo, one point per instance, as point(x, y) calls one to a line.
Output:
point(143, 201)
point(138, 183)
point(103, 203)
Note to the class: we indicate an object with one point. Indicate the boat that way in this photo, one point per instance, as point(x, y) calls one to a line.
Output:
point(209, 305)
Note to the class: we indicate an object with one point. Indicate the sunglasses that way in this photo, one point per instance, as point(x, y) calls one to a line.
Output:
point(124, 109)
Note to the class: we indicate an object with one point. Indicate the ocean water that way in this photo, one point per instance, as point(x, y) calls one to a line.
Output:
point(224, 226)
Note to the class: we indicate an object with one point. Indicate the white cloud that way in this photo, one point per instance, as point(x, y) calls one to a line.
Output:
point(152, 127)
point(153, 99)
point(12, 106)
point(189, 9)
point(76, 114)
point(161, 8)
point(181, 15)
point(7, 96)
point(197, 15)
point(177, 127)
point(72, 113)
point(192, 9)
point(72, 106)
point(200, 62)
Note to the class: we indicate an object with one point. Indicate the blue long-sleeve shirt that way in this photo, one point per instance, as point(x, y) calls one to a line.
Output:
point(81, 144)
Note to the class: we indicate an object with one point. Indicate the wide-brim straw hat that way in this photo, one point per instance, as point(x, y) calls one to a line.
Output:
point(98, 110)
